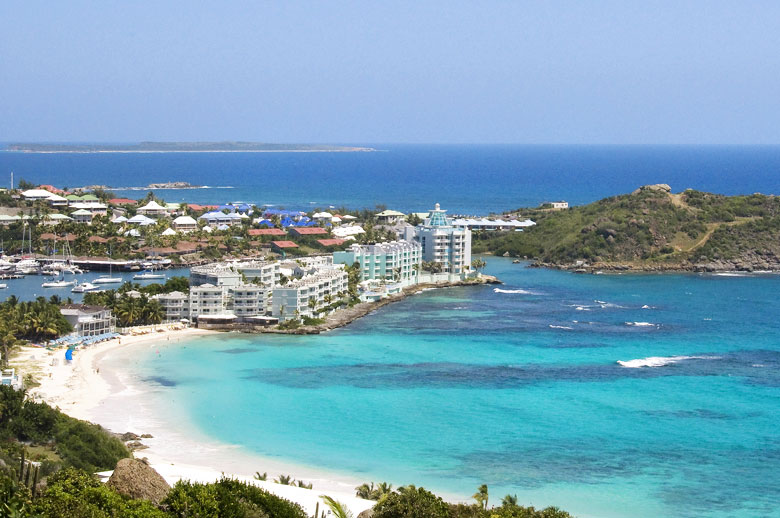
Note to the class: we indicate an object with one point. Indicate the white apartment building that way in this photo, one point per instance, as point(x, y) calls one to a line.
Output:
point(206, 299)
point(397, 261)
point(442, 242)
point(176, 305)
point(249, 300)
point(292, 300)
point(229, 274)
point(89, 320)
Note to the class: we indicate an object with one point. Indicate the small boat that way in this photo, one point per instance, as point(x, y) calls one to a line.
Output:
point(148, 275)
point(84, 287)
point(3, 286)
point(107, 280)
point(58, 284)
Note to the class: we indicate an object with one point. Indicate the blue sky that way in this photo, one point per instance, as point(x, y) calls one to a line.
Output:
point(551, 72)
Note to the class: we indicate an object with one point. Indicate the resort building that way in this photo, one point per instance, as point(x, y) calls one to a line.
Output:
point(175, 304)
point(82, 216)
point(305, 296)
point(153, 209)
point(492, 224)
point(219, 274)
point(140, 219)
point(55, 200)
point(55, 219)
point(241, 288)
point(396, 261)
point(184, 224)
point(206, 299)
point(348, 232)
point(558, 205)
point(216, 219)
point(390, 217)
point(249, 300)
point(264, 273)
point(96, 208)
point(9, 378)
point(442, 242)
point(89, 320)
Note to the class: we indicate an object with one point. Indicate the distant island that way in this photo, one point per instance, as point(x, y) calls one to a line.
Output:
point(180, 147)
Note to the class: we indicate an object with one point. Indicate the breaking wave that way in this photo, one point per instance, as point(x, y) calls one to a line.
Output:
point(660, 361)
point(521, 292)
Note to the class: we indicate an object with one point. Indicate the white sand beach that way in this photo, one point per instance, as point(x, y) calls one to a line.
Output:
point(90, 388)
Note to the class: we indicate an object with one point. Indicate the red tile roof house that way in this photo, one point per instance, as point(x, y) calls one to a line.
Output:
point(122, 201)
point(330, 242)
point(309, 231)
point(267, 232)
point(281, 245)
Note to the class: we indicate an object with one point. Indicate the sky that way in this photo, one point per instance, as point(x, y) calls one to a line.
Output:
point(489, 71)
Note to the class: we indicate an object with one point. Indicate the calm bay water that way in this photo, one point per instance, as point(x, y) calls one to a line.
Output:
point(464, 179)
point(520, 389)
point(29, 287)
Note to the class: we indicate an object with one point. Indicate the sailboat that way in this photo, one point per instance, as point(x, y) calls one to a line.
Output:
point(61, 283)
point(27, 265)
point(110, 279)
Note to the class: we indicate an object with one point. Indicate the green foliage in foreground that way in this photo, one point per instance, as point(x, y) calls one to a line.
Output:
point(75, 493)
point(414, 502)
point(77, 443)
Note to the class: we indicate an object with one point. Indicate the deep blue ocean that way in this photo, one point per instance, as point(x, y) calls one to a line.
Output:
point(464, 179)
point(520, 389)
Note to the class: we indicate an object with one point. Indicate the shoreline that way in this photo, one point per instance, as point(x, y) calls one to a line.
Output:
point(345, 316)
point(92, 388)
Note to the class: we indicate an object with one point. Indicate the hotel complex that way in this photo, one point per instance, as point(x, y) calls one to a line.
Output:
point(308, 286)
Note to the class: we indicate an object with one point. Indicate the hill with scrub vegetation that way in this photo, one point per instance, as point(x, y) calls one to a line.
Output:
point(650, 229)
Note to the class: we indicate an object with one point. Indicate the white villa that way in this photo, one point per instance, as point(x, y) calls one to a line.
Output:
point(55, 200)
point(153, 209)
point(184, 224)
point(82, 216)
point(390, 217)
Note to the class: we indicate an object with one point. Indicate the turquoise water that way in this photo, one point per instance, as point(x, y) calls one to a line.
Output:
point(456, 387)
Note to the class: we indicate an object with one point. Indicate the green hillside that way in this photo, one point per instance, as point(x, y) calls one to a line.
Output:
point(651, 228)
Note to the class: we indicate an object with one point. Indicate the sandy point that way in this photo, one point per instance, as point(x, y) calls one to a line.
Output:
point(88, 388)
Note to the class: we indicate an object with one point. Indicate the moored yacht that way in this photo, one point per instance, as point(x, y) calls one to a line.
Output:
point(84, 287)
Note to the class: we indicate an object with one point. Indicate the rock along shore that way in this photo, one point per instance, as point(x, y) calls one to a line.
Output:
point(756, 264)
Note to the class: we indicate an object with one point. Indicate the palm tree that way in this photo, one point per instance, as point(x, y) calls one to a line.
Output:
point(365, 491)
point(338, 509)
point(127, 311)
point(304, 485)
point(152, 312)
point(478, 264)
point(285, 480)
point(384, 488)
point(509, 500)
point(481, 496)
point(258, 476)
